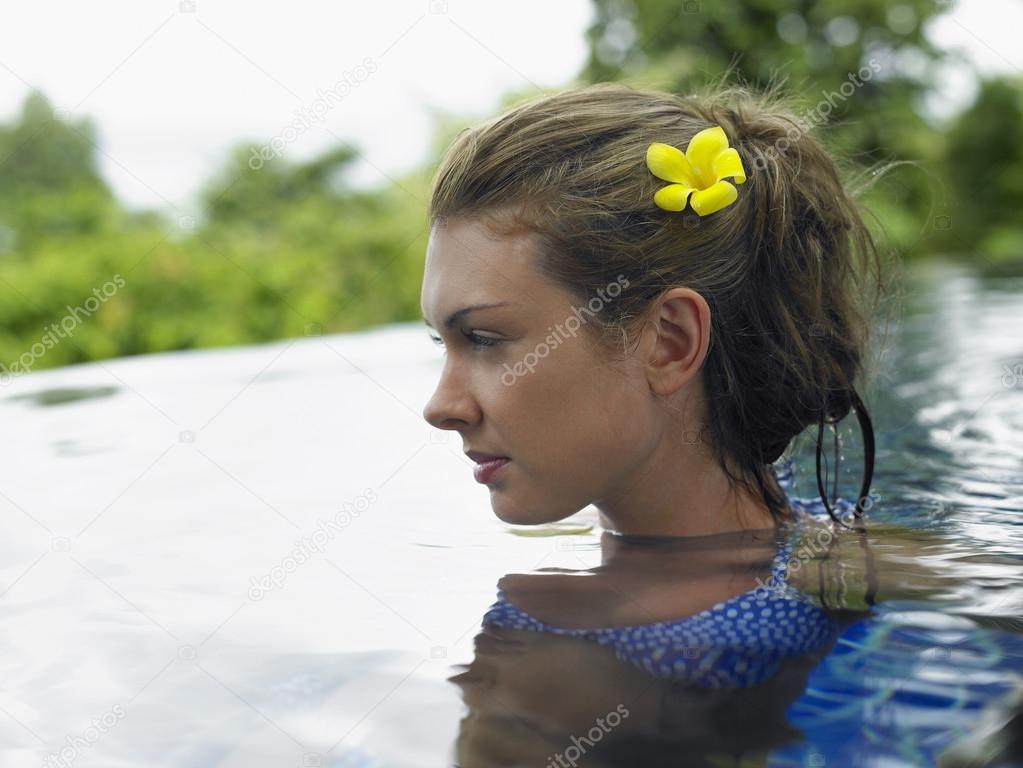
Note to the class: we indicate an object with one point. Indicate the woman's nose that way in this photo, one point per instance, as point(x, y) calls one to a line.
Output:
point(452, 404)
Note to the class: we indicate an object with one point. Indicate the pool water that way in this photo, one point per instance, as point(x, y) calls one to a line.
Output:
point(265, 557)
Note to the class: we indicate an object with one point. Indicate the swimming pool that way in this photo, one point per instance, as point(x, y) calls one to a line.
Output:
point(265, 557)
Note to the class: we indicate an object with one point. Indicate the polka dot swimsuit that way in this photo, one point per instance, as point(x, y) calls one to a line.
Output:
point(736, 643)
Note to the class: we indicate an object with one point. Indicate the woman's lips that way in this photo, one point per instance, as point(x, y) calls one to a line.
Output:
point(484, 471)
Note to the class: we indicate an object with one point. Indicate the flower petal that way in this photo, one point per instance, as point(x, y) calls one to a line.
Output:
point(673, 197)
point(728, 163)
point(714, 198)
point(668, 163)
point(703, 148)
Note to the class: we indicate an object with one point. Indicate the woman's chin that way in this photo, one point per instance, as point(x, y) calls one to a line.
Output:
point(517, 515)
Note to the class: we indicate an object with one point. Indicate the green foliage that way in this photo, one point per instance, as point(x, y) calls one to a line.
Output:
point(49, 183)
point(281, 250)
point(985, 170)
point(1001, 251)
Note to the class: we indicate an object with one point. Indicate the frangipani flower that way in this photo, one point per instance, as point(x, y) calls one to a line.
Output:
point(698, 176)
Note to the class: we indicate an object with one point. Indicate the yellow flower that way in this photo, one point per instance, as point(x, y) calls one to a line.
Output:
point(699, 175)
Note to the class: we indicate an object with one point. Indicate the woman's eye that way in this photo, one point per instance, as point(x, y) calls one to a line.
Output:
point(481, 341)
point(474, 338)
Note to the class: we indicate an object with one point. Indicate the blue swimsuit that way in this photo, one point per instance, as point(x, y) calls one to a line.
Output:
point(737, 643)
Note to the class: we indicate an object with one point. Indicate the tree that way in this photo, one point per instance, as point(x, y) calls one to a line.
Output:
point(49, 182)
point(985, 159)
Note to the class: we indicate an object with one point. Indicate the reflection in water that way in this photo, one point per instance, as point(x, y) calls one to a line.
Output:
point(534, 697)
point(736, 643)
point(720, 648)
point(637, 633)
point(64, 395)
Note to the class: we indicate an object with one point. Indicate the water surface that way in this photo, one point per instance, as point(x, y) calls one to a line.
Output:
point(265, 557)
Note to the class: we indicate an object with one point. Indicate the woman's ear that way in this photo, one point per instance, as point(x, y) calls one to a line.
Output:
point(678, 339)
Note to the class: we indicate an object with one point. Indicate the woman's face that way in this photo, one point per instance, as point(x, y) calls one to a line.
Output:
point(522, 380)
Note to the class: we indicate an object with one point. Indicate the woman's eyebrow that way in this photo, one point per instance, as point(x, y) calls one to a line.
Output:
point(457, 315)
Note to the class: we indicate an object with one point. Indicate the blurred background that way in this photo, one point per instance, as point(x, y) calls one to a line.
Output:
point(251, 175)
point(250, 549)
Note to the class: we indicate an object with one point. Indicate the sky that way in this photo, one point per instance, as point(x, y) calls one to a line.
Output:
point(172, 86)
